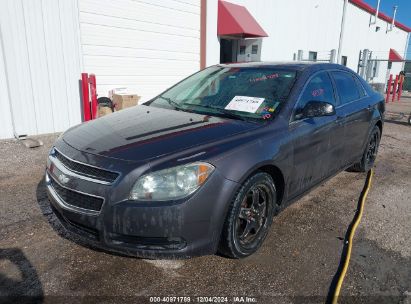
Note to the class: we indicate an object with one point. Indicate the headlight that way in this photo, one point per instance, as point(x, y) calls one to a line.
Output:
point(173, 183)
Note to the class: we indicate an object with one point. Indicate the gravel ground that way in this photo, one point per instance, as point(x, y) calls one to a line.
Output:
point(296, 264)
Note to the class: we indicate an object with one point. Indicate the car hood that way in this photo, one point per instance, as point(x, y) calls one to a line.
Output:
point(144, 132)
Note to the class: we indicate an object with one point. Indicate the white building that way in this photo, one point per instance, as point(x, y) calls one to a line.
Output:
point(148, 45)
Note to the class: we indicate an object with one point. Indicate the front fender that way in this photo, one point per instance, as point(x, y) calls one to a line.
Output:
point(239, 163)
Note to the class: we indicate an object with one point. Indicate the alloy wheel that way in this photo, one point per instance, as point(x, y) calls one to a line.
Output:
point(253, 215)
point(372, 148)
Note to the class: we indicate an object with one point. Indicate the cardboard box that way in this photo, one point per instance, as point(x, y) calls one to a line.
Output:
point(123, 91)
point(122, 101)
point(103, 111)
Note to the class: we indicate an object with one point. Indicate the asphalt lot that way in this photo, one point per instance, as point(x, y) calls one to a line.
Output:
point(295, 265)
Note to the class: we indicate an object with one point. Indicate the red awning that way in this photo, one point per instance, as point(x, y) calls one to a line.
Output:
point(236, 20)
point(394, 56)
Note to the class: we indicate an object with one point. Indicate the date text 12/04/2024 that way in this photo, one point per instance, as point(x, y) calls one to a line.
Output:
point(203, 299)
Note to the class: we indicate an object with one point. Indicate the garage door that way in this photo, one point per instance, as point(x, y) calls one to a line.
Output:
point(145, 45)
point(40, 63)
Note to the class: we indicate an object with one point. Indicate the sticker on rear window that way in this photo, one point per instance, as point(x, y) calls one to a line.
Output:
point(245, 104)
point(317, 92)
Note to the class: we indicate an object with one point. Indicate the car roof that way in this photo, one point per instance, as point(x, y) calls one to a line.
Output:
point(292, 65)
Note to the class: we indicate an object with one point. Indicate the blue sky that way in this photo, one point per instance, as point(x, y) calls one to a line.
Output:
point(403, 12)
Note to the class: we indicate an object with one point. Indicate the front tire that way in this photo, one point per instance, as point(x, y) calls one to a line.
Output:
point(370, 153)
point(249, 217)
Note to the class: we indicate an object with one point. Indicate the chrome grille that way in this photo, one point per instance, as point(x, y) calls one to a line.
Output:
point(77, 199)
point(86, 170)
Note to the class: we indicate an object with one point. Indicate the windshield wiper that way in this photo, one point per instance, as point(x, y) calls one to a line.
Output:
point(223, 112)
point(171, 102)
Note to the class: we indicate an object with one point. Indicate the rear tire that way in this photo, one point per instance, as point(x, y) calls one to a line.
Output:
point(249, 217)
point(370, 153)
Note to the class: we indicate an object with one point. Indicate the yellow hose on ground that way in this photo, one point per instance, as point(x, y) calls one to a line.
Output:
point(355, 223)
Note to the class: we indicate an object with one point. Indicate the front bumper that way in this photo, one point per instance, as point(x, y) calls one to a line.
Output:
point(186, 228)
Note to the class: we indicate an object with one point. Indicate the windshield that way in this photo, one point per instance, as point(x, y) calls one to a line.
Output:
point(239, 93)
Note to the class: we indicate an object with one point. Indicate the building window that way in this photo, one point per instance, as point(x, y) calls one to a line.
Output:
point(242, 49)
point(312, 56)
point(254, 49)
point(344, 60)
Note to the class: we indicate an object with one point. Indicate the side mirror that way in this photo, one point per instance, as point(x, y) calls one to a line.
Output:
point(318, 108)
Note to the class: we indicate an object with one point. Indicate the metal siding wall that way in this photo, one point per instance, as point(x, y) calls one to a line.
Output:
point(17, 63)
point(42, 58)
point(38, 66)
point(6, 124)
point(146, 46)
point(311, 25)
point(73, 63)
point(360, 36)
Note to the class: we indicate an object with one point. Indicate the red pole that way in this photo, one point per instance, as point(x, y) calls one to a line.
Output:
point(395, 88)
point(400, 87)
point(389, 89)
point(93, 88)
point(86, 97)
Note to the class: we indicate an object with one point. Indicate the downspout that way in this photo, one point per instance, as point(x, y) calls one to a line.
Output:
point(203, 34)
point(393, 17)
point(340, 43)
point(376, 13)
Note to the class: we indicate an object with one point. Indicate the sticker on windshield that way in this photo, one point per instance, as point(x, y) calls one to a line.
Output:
point(267, 111)
point(245, 104)
point(265, 77)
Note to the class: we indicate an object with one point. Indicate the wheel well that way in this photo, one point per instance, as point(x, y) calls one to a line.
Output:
point(379, 125)
point(278, 179)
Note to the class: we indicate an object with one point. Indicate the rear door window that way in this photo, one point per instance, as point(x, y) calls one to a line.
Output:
point(347, 87)
point(360, 87)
